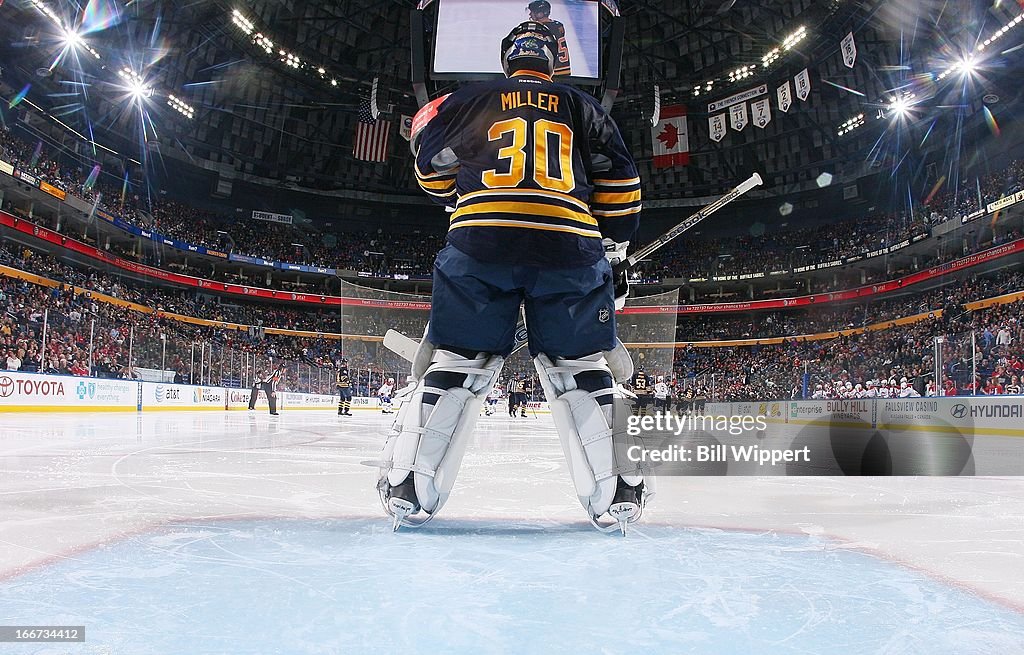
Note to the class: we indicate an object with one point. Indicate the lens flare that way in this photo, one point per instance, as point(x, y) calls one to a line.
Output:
point(36, 154)
point(935, 190)
point(990, 120)
point(99, 15)
point(93, 176)
point(124, 187)
point(16, 100)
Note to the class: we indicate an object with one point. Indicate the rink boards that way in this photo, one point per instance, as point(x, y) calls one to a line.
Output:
point(29, 392)
point(979, 415)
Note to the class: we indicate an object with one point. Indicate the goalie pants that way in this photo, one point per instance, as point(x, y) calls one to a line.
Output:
point(569, 311)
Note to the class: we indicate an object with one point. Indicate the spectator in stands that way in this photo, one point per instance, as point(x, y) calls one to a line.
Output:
point(13, 361)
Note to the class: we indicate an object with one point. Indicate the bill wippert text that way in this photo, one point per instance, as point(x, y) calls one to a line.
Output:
point(719, 453)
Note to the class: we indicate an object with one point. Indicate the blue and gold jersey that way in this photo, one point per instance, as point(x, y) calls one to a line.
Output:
point(524, 190)
point(562, 64)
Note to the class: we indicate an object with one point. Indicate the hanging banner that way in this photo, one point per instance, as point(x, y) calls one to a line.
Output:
point(761, 112)
point(271, 217)
point(656, 114)
point(670, 138)
point(849, 49)
point(803, 84)
point(405, 127)
point(716, 125)
point(737, 98)
point(785, 96)
point(738, 116)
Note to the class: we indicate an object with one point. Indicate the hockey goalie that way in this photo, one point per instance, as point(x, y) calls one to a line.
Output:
point(544, 198)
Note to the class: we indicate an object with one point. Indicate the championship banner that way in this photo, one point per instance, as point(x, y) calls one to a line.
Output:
point(737, 98)
point(761, 111)
point(670, 139)
point(716, 124)
point(738, 116)
point(405, 127)
point(785, 96)
point(803, 84)
point(271, 217)
point(849, 49)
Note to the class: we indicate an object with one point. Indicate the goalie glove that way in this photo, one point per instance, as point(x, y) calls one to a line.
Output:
point(615, 253)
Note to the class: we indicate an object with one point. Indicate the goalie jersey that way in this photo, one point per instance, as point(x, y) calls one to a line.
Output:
point(525, 190)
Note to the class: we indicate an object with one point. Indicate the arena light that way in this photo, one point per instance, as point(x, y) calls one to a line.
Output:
point(288, 59)
point(181, 106)
point(742, 73)
point(72, 39)
point(796, 37)
point(264, 42)
point(1011, 24)
point(705, 87)
point(851, 124)
point(243, 23)
point(45, 10)
point(136, 86)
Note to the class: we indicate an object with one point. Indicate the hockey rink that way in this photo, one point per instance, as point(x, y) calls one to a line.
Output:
point(236, 532)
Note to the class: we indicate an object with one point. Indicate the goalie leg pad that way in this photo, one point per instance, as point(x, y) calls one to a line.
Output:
point(434, 423)
point(590, 416)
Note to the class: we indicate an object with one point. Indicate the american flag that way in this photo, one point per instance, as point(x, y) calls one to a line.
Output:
point(372, 136)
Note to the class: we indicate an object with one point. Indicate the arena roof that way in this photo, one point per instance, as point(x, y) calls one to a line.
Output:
point(271, 90)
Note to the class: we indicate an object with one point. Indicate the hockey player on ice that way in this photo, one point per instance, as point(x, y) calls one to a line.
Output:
point(492, 400)
point(544, 199)
point(642, 388)
point(384, 395)
point(661, 395)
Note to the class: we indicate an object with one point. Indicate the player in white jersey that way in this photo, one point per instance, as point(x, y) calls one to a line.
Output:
point(871, 391)
point(384, 395)
point(661, 394)
point(907, 391)
point(493, 396)
point(819, 393)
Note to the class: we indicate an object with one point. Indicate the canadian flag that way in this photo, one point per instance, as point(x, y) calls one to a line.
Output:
point(669, 136)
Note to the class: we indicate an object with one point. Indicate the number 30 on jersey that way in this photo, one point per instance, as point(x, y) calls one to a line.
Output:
point(544, 132)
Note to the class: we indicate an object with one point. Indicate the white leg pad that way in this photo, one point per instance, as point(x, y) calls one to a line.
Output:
point(429, 441)
point(592, 435)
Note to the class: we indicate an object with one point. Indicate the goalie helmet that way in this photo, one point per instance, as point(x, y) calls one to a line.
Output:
point(529, 45)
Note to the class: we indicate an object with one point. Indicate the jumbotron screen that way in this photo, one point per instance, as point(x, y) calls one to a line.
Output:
point(469, 34)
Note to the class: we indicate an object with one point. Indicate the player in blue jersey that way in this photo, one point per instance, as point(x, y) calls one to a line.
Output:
point(544, 196)
point(540, 11)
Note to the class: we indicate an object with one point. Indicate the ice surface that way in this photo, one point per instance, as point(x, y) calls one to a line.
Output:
point(239, 533)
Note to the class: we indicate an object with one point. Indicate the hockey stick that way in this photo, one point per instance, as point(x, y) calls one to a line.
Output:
point(687, 223)
point(405, 347)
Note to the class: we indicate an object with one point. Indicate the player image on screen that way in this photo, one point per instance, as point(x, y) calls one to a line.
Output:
point(540, 11)
point(466, 28)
